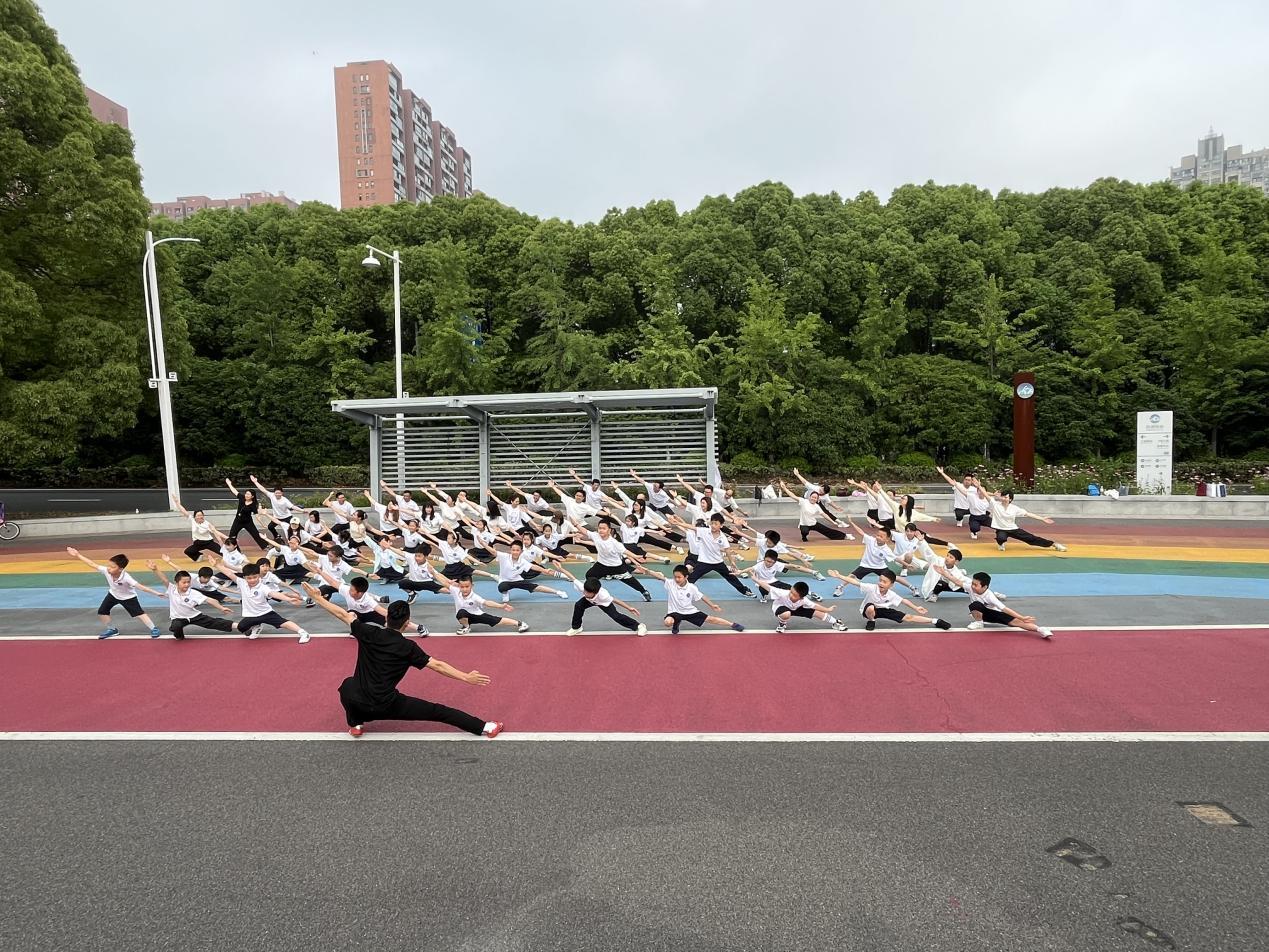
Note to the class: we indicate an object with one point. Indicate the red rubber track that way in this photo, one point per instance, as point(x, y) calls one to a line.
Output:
point(1164, 680)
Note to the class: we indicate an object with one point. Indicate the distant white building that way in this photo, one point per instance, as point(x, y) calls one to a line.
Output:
point(1213, 164)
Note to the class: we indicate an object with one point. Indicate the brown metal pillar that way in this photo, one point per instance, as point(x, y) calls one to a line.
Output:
point(1024, 429)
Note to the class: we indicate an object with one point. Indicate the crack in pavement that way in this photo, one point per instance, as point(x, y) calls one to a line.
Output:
point(947, 708)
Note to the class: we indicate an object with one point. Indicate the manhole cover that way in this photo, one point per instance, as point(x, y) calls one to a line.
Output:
point(1078, 853)
point(1149, 933)
point(1213, 814)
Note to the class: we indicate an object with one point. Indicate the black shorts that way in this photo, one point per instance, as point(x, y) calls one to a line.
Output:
point(480, 618)
point(456, 571)
point(860, 572)
point(872, 514)
point(801, 612)
point(131, 605)
point(960, 514)
point(993, 615)
point(214, 594)
point(272, 619)
point(880, 611)
point(694, 618)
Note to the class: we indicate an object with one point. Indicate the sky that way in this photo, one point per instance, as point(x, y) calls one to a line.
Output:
point(572, 108)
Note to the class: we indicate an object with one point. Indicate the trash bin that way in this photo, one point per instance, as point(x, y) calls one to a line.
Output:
point(1123, 490)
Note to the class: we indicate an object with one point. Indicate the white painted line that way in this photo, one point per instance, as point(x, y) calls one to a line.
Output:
point(853, 632)
point(70, 499)
point(665, 737)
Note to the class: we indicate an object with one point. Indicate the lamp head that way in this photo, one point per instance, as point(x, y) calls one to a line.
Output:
point(370, 261)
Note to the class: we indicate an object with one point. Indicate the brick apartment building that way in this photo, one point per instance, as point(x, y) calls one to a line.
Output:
point(186, 205)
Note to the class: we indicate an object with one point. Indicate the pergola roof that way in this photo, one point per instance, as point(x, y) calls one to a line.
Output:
point(589, 401)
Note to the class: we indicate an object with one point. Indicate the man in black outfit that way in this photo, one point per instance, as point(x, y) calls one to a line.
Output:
point(384, 655)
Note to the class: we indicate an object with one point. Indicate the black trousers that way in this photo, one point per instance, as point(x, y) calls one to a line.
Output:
point(612, 611)
point(290, 573)
point(933, 541)
point(827, 531)
point(408, 585)
point(615, 572)
point(200, 620)
point(389, 574)
point(978, 523)
point(244, 523)
point(720, 568)
point(404, 708)
point(521, 584)
point(1022, 535)
point(195, 549)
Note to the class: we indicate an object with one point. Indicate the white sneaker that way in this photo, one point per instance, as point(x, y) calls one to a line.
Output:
point(1000, 546)
point(463, 630)
point(933, 598)
point(974, 625)
point(562, 594)
point(1059, 546)
point(839, 626)
point(304, 637)
point(254, 633)
point(839, 591)
point(809, 557)
point(586, 558)
point(819, 577)
point(762, 598)
point(641, 630)
point(850, 537)
point(903, 573)
point(781, 628)
point(1046, 633)
point(573, 631)
point(522, 627)
point(973, 535)
point(679, 549)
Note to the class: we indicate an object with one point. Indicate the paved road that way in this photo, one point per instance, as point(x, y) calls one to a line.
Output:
point(627, 846)
point(34, 503)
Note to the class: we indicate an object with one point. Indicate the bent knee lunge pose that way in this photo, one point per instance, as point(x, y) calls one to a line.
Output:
point(987, 609)
point(811, 516)
point(611, 558)
point(184, 604)
point(878, 554)
point(1005, 514)
point(881, 601)
point(796, 602)
point(712, 556)
point(681, 597)
point(469, 609)
point(384, 657)
point(256, 610)
point(593, 595)
point(202, 538)
point(121, 591)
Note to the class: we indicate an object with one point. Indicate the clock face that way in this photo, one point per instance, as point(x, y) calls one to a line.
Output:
point(1026, 390)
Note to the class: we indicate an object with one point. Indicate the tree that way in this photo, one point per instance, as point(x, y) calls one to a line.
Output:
point(71, 219)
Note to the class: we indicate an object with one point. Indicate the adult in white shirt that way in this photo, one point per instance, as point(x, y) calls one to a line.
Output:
point(514, 516)
point(185, 605)
point(681, 597)
point(810, 516)
point(711, 556)
point(986, 608)
point(611, 558)
point(979, 509)
point(256, 610)
point(658, 498)
point(594, 595)
point(200, 532)
point(795, 601)
point(1005, 514)
point(281, 509)
point(313, 532)
point(341, 509)
point(576, 508)
point(469, 609)
point(592, 492)
point(961, 492)
point(512, 567)
point(121, 591)
point(407, 506)
point(882, 601)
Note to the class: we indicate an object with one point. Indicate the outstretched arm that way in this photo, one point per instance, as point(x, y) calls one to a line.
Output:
point(157, 571)
point(179, 508)
point(255, 482)
point(313, 592)
point(946, 478)
point(83, 558)
point(231, 486)
point(469, 677)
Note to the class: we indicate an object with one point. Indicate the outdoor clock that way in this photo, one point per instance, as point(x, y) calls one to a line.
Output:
point(1026, 390)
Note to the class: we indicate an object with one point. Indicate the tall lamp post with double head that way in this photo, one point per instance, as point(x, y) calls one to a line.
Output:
point(371, 261)
point(160, 380)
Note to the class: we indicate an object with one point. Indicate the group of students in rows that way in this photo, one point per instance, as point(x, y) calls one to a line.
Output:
point(441, 545)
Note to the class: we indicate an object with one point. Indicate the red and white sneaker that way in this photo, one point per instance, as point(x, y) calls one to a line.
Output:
point(356, 730)
point(492, 732)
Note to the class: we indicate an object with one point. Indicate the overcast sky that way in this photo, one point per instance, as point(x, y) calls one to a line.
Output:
point(571, 108)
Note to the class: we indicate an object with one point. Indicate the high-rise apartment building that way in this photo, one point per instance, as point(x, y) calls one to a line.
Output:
point(391, 148)
point(188, 204)
point(1212, 164)
point(104, 109)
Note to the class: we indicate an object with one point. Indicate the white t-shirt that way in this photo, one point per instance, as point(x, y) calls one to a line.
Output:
point(361, 604)
point(200, 531)
point(343, 511)
point(433, 523)
point(452, 554)
point(594, 497)
point(903, 545)
point(609, 551)
point(600, 598)
point(579, 512)
point(876, 556)
point(988, 598)
point(296, 556)
point(337, 569)
point(512, 570)
point(977, 504)
point(781, 598)
point(874, 596)
point(233, 558)
point(282, 508)
point(472, 603)
point(960, 496)
point(183, 604)
point(255, 598)
point(808, 512)
point(409, 509)
point(313, 528)
point(386, 558)
point(765, 573)
point(681, 599)
point(709, 548)
point(631, 536)
point(123, 587)
point(411, 539)
point(515, 516)
point(657, 498)
point(1006, 517)
point(552, 541)
point(932, 577)
point(420, 571)
point(538, 505)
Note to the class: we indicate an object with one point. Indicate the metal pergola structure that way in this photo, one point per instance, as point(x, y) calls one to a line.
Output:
point(483, 441)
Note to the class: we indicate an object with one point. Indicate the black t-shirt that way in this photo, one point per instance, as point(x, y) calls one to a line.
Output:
point(247, 508)
point(383, 658)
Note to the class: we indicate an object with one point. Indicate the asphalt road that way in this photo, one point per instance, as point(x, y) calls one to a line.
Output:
point(34, 503)
point(628, 846)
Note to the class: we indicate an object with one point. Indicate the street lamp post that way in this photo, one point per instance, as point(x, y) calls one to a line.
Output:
point(160, 379)
point(370, 261)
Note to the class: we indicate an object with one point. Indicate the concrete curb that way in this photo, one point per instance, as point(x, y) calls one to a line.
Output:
point(1254, 508)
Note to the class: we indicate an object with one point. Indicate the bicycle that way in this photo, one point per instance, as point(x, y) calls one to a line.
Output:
point(8, 530)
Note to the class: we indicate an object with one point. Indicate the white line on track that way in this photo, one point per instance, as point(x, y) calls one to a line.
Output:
point(286, 636)
point(662, 737)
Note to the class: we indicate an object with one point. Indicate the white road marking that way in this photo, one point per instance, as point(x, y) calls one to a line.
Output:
point(793, 633)
point(665, 737)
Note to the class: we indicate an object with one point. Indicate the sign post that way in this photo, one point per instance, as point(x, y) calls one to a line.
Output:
point(1024, 428)
point(1154, 451)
